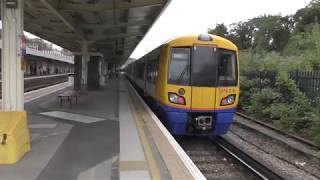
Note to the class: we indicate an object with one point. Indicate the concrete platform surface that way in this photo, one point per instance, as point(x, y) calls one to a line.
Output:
point(98, 138)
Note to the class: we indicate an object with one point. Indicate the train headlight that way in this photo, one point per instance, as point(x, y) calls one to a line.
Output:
point(176, 99)
point(228, 100)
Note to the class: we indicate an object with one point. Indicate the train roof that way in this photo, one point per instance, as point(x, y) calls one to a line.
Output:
point(202, 39)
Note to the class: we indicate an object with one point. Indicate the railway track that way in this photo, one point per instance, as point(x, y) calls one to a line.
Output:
point(37, 82)
point(289, 155)
point(228, 157)
point(297, 138)
point(218, 159)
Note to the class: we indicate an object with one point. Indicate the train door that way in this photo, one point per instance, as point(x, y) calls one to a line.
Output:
point(203, 77)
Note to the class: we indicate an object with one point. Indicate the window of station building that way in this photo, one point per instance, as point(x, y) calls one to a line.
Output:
point(227, 68)
point(179, 66)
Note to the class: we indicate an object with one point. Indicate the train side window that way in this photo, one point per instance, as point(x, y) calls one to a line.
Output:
point(150, 70)
point(179, 66)
point(139, 69)
point(155, 70)
point(227, 68)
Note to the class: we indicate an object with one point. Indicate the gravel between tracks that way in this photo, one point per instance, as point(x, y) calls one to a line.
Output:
point(212, 161)
point(287, 156)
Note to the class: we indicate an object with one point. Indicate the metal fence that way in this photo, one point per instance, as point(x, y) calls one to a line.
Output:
point(307, 82)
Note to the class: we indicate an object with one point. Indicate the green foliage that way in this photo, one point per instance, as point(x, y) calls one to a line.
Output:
point(242, 34)
point(279, 102)
point(260, 101)
point(272, 62)
point(314, 131)
point(305, 17)
point(306, 45)
point(271, 32)
point(219, 30)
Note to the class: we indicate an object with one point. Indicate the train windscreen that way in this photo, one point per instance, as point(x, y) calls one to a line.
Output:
point(204, 66)
point(179, 66)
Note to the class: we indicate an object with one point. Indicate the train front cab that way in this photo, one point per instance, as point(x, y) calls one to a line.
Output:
point(201, 87)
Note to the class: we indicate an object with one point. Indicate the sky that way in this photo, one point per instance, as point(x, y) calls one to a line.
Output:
point(196, 16)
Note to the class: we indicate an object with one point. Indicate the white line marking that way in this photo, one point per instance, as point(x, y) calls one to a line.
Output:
point(42, 126)
point(72, 117)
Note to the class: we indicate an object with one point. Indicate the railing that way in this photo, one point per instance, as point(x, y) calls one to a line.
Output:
point(52, 54)
point(307, 82)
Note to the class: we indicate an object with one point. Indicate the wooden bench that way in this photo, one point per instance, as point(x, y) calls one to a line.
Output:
point(69, 96)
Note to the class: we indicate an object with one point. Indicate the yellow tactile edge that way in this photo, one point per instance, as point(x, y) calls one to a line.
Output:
point(153, 167)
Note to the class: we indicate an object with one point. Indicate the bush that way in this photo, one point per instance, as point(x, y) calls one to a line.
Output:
point(279, 102)
point(314, 131)
point(261, 100)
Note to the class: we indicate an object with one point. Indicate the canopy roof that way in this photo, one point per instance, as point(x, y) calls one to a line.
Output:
point(111, 27)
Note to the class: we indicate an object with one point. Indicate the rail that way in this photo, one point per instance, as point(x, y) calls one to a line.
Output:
point(46, 76)
point(257, 168)
point(37, 82)
point(300, 139)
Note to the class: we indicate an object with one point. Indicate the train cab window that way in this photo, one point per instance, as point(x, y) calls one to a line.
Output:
point(179, 66)
point(203, 66)
point(227, 68)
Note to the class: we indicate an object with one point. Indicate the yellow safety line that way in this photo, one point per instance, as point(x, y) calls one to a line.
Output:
point(146, 146)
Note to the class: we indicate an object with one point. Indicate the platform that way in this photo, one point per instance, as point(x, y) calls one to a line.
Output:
point(101, 137)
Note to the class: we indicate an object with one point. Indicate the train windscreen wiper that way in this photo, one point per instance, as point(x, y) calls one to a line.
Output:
point(182, 74)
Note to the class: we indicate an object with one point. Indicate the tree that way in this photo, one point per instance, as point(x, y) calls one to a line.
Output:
point(271, 33)
point(241, 34)
point(219, 30)
point(305, 17)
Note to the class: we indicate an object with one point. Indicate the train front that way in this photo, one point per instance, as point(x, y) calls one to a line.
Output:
point(202, 86)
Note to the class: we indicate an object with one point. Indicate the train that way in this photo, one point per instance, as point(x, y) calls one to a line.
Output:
point(191, 82)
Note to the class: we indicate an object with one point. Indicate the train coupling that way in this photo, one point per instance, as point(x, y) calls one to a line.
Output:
point(200, 123)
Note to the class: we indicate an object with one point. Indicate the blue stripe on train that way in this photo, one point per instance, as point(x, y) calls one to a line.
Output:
point(176, 119)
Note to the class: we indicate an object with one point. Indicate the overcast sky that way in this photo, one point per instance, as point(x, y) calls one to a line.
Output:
point(196, 16)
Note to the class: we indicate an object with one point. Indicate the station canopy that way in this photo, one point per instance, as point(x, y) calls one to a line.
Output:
point(111, 27)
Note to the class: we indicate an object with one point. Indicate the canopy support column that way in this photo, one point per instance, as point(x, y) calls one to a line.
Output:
point(12, 54)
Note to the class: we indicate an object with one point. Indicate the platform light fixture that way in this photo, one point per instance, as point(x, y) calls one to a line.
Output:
point(12, 4)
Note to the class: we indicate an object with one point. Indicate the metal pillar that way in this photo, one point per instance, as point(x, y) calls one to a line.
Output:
point(77, 72)
point(12, 74)
point(102, 71)
point(85, 60)
point(93, 73)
